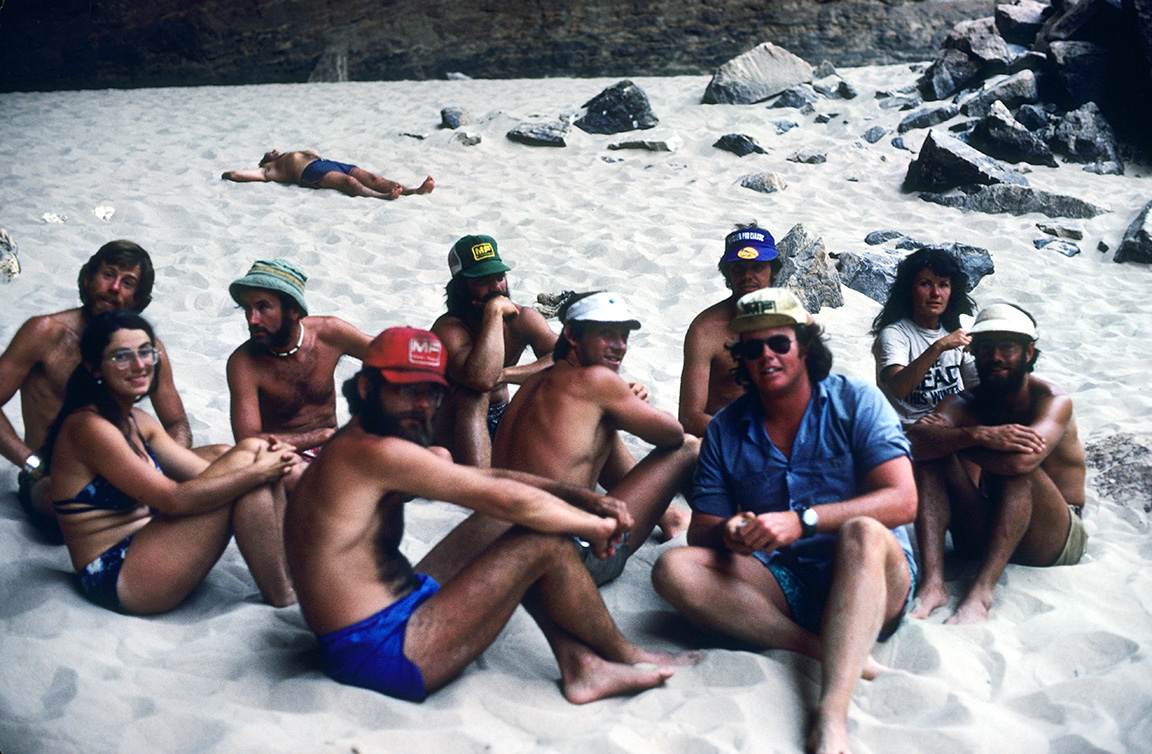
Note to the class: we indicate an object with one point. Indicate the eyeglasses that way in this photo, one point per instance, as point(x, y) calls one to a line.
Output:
point(432, 393)
point(1009, 347)
point(124, 358)
point(753, 348)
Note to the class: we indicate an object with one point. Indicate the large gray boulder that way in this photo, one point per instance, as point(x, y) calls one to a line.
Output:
point(1084, 135)
point(1081, 70)
point(756, 75)
point(1001, 136)
point(1018, 22)
point(1136, 245)
point(983, 43)
point(621, 107)
point(872, 271)
point(945, 162)
point(926, 117)
point(949, 73)
point(807, 270)
point(1014, 200)
point(1016, 90)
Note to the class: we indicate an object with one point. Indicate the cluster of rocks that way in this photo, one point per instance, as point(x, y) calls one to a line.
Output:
point(9, 259)
point(1035, 80)
point(873, 271)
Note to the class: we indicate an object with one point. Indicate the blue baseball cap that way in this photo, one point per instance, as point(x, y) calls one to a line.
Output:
point(749, 244)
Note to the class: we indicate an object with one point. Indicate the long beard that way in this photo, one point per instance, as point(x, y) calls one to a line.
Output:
point(376, 420)
point(993, 390)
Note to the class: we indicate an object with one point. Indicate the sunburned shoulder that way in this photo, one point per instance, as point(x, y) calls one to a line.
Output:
point(718, 314)
point(1044, 389)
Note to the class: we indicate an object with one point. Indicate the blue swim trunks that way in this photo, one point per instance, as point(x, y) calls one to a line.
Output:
point(495, 414)
point(806, 589)
point(97, 580)
point(317, 169)
point(370, 653)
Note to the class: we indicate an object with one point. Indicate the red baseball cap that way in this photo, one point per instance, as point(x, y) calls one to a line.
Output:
point(405, 355)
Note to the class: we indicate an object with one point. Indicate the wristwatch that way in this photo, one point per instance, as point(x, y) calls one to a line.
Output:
point(808, 520)
point(32, 466)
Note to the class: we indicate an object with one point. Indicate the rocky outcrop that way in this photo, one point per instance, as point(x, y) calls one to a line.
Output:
point(807, 270)
point(1137, 243)
point(945, 162)
point(621, 107)
point(53, 44)
point(758, 74)
point(1003, 198)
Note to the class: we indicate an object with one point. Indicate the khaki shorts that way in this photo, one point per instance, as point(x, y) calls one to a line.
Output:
point(1077, 541)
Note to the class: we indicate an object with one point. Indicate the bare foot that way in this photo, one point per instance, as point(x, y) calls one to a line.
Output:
point(974, 609)
point(674, 521)
point(634, 655)
point(593, 678)
point(828, 737)
point(927, 599)
point(396, 191)
point(425, 187)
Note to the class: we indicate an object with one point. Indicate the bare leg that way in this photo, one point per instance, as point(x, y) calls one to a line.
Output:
point(473, 443)
point(1030, 525)
point(649, 487)
point(258, 524)
point(382, 185)
point(453, 627)
point(349, 185)
point(171, 555)
point(869, 587)
point(940, 484)
point(730, 594)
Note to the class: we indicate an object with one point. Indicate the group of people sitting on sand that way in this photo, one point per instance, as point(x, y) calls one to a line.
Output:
point(801, 482)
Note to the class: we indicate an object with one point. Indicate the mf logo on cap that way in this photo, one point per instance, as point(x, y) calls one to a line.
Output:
point(748, 253)
point(424, 352)
point(483, 251)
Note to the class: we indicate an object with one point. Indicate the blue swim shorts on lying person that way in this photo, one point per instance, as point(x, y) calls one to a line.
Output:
point(312, 173)
point(370, 653)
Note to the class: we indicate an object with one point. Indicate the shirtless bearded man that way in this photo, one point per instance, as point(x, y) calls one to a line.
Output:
point(1019, 430)
point(282, 380)
point(407, 633)
point(485, 334)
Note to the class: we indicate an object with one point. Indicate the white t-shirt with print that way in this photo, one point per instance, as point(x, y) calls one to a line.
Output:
point(899, 344)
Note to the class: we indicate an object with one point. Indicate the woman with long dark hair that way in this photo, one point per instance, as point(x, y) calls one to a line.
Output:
point(144, 518)
point(919, 346)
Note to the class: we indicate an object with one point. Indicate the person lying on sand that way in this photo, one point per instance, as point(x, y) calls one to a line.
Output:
point(308, 169)
point(407, 632)
point(281, 379)
point(1026, 503)
point(799, 507)
point(143, 517)
point(749, 263)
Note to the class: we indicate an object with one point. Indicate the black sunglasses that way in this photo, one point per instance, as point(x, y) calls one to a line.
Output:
point(753, 348)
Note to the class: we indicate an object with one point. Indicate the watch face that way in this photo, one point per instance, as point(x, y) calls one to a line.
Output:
point(810, 517)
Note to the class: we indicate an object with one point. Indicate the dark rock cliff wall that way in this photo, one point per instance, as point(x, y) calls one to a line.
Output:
point(72, 44)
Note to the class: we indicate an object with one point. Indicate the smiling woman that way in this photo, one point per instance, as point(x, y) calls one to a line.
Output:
point(144, 518)
point(919, 346)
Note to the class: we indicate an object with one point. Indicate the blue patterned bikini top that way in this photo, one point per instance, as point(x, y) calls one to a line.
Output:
point(100, 494)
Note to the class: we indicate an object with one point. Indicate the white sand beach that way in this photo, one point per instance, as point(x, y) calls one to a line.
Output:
point(1063, 666)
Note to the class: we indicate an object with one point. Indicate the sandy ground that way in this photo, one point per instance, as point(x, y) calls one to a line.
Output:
point(1062, 666)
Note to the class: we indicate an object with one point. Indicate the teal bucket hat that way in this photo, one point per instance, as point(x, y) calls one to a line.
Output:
point(274, 275)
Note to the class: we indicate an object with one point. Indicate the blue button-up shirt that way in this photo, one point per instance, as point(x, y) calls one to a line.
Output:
point(848, 429)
